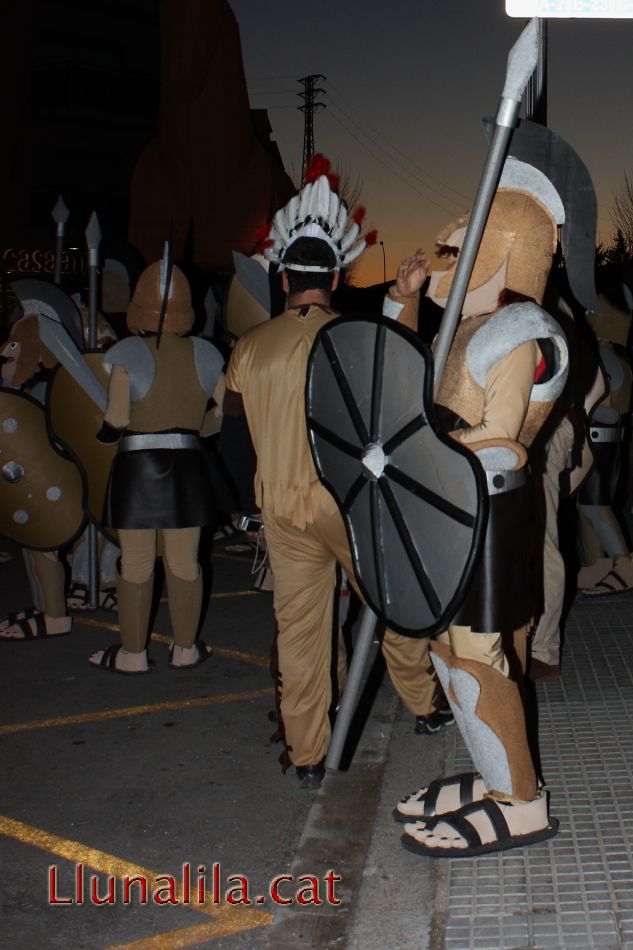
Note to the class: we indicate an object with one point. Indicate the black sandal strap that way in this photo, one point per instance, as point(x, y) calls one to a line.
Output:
point(26, 629)
point(40, 625)
point(619, 579)
point(18, 615)
point(466, 788)
point(458, 821)
point(493, 811)
point(431, 796)
point(109, 656)
point(459, 824)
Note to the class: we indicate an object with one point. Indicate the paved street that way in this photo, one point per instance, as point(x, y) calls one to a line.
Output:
point(110, 777)
point(120, 776)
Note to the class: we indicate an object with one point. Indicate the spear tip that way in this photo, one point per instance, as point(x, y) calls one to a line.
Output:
point(93, 232)
point(60, 212)
point(522, 60)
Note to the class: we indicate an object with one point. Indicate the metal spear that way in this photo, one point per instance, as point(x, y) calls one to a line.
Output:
point(93, 240)
point(59, 214)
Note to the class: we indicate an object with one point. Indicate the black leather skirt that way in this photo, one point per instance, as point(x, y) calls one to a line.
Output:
point(160, 488)
point(499, 596)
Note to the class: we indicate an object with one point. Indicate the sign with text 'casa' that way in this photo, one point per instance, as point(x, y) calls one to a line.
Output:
point(621, 9)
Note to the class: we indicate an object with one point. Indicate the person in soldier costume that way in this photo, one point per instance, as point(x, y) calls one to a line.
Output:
point(602, 495)
point(22, 360)
point(160, 389)
point(311, 239)
point(24, 368)
point(505, 370)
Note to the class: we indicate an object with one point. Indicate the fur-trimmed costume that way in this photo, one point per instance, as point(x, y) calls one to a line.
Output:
point(507, 366)
point(160, 388)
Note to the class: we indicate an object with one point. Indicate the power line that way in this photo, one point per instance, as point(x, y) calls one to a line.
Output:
point(339, 94)
point(391, 170)
point(348, 118)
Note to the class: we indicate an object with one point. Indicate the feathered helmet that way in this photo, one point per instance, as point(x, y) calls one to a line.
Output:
point(317, 211)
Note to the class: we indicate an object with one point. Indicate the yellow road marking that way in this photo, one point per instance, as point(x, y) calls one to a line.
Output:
point(188, 937)
point(232, 918)
point(133, 711)
point(162, 638)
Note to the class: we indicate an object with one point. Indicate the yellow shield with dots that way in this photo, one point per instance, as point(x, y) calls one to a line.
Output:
point(40, 490)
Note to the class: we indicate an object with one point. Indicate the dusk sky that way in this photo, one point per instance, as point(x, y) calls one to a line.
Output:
point(406, 86)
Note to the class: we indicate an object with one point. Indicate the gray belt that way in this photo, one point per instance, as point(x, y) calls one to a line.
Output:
point(605, 434)
point(158, 440)
point(502, 481)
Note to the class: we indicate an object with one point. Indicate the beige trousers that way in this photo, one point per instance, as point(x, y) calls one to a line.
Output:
point(546, 639)
point(303, 562)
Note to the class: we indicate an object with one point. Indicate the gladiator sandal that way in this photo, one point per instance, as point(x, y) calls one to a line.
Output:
point(513, 812)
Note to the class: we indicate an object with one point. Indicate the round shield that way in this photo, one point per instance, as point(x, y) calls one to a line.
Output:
point(414, 501)
point(74, 421)
point(40, 491)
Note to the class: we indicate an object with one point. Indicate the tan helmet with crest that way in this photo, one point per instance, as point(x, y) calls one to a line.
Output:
point(519, 240)
point(145, 306)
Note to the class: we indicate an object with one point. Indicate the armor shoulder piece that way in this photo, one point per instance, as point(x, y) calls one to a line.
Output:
point(209, 363)
point(507, 329)
point(132, 355)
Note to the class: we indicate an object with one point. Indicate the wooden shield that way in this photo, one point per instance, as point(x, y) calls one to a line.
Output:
point(74, 421)
point(40, 490)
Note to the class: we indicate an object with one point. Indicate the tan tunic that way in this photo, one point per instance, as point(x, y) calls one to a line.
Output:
point(502, 408)
point(268, 367)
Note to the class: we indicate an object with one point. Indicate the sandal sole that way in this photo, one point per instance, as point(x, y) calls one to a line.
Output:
point(493, 847)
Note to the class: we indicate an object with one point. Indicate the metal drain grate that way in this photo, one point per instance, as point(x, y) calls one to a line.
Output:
point(575, 891)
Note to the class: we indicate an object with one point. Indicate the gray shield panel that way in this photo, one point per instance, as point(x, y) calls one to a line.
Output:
point(413, 500)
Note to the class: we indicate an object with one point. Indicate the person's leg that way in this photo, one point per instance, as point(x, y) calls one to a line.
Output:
point(184, 594)
point(489, 711)
point(135, 587)
point(545, 646)
point(407, 659)
point(305, 577)
point(48, 617)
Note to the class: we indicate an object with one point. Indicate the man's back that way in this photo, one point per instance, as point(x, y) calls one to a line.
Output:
point(268, 368)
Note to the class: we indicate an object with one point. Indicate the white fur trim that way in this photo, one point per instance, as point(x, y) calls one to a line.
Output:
point(507, 329)
point(391, 308)
point(520, 176)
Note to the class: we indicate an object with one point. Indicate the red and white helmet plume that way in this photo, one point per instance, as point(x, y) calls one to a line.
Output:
point(319, 212)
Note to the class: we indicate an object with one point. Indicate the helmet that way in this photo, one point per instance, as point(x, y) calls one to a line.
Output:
point(145, 306)
point(518, 242)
